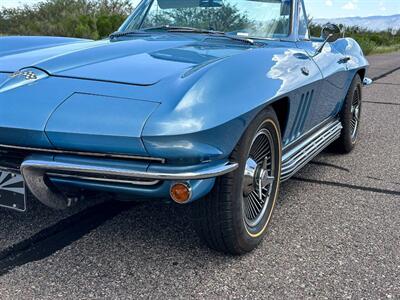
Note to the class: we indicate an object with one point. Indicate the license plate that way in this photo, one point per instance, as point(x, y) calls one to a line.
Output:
point(12, 191)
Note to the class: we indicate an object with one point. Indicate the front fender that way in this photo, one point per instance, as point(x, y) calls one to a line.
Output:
point(207, 122)
point(349, 47)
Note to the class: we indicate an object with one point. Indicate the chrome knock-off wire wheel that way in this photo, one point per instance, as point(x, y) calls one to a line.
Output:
point(234, 217)
point(259, 180)
point(355, 114)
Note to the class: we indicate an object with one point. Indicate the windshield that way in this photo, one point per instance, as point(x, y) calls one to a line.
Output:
point(245, 18)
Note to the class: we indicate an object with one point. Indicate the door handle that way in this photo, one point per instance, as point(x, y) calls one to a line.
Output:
point(344, 60)
point(305, 71)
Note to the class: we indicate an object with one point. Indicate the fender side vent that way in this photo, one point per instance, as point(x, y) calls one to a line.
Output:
point(301, 116)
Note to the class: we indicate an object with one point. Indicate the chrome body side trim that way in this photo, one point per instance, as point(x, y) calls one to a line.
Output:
point(299, 156)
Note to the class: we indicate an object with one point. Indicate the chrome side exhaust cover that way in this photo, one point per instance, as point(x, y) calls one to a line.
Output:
point(297, 158)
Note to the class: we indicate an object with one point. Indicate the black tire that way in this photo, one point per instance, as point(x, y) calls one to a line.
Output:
point(349, 135)
point(220, 218)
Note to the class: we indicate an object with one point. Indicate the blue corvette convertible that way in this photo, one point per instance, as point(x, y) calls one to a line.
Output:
point(209, 102)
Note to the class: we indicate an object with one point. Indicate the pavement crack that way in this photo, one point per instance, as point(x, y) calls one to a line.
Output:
point(349, 186)
point(56, 237)
point(382, 103)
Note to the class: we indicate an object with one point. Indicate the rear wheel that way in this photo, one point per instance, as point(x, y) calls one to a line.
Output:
point(234, 217)
point(350, 117)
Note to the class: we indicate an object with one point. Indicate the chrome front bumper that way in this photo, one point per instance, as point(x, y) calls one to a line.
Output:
point(36, 171)
point(93, 171)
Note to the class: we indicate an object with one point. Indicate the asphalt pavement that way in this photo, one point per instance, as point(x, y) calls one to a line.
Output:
point(382, 65)
point(335, 234)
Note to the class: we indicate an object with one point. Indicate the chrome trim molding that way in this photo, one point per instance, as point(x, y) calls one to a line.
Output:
point(299, 156)
point(105, 180)
point(80, 153)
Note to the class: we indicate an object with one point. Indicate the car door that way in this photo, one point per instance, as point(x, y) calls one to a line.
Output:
point(304, 70)
point(333, 66)
point(304, 74)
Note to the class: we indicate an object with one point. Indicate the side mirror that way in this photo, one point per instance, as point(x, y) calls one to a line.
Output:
point(331, 33)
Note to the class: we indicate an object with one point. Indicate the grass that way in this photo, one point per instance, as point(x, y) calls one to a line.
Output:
point(385, 49)
point(371, 46)
point(371, 42)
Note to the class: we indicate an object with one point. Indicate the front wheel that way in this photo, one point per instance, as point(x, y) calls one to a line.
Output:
point(234, 217)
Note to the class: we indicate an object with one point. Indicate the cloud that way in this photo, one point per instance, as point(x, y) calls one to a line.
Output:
point(382, 6)
point(351, 5)
point(328, 2)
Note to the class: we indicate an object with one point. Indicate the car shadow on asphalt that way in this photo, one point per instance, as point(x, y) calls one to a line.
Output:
point(146, 230)
point(41, 231)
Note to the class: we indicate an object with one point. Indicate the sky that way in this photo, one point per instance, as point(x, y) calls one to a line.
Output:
point(315, 8)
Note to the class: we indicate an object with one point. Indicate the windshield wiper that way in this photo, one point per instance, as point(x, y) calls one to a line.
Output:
point(202, 31)
point(118, 34)
point(169, 28)
point(235, 38)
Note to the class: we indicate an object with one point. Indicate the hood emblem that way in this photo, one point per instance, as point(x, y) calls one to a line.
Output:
point(28, 75)
point(25, 77)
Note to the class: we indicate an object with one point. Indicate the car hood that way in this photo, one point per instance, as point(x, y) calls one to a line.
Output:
point(139, 61)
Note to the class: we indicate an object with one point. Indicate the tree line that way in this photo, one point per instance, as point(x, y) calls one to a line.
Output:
point(96, 19)
point(93, 19)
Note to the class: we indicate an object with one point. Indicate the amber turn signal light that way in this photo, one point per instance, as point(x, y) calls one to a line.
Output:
point(180, 192)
